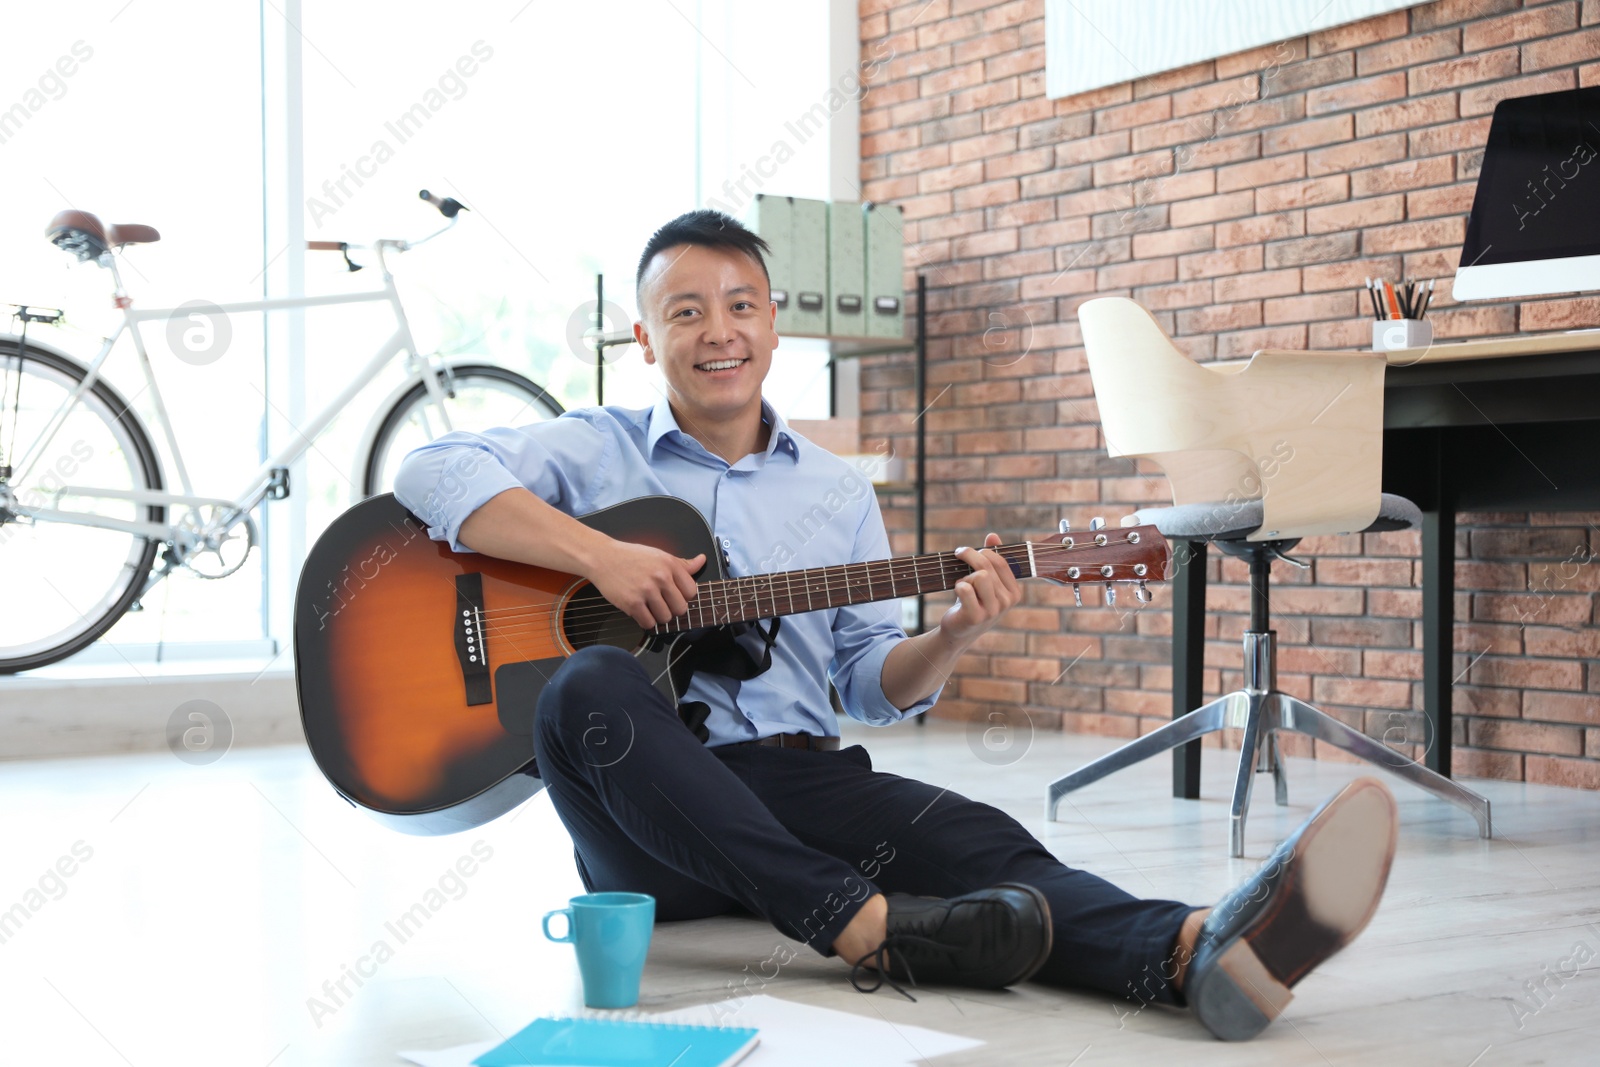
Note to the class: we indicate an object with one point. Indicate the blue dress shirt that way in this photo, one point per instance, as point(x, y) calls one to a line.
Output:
point(793, 506)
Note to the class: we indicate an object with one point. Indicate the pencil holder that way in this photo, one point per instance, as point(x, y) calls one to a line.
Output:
point(1390, 334)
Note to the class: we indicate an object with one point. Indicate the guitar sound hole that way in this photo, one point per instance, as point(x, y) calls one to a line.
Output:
point(591, 619)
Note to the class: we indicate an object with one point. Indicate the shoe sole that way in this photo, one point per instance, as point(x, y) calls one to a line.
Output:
point(1340, 869)
point(1049, 930)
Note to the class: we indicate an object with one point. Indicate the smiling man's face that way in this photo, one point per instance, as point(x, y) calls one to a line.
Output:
point(708, 320)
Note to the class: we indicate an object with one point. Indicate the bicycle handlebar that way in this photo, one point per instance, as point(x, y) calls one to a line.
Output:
point(448, 206)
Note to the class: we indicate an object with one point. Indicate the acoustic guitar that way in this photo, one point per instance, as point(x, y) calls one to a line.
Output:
point(418, 668)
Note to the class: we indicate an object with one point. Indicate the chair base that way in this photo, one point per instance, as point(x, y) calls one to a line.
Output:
point(1261, 713)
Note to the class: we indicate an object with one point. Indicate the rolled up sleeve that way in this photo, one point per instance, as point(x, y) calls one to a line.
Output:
point(446, 480)
point(865, 634)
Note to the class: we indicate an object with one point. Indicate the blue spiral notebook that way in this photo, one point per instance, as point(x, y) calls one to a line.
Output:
point(619, 1043)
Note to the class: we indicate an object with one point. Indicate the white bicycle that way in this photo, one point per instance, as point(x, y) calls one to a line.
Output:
point(84, 506)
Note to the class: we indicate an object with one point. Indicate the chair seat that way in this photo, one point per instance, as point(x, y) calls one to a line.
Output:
point(1236, 521)
point(86, 237)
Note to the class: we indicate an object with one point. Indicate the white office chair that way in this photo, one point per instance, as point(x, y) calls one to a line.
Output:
point(1260, 454)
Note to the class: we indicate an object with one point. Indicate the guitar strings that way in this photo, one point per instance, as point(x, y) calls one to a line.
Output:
point(927, 567)
point(532, 618)
point(509, 619)
point(831, 583)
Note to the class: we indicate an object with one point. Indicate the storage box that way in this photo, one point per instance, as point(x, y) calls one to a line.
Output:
point(886, 305)
point(772, 218)
point(809, 259)
point(847, 270)
point(1388, 335)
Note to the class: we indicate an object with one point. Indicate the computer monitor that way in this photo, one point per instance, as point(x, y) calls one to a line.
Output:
point(1535, 223)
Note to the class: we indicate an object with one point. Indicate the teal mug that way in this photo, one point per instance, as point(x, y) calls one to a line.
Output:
point(611, 932)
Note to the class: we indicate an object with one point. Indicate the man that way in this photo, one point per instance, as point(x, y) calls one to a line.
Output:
point(890, 874)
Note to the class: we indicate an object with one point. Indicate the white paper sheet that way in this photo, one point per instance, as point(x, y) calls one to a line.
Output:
point(804, 1035)
point(460, 1056)
point(792, 1035)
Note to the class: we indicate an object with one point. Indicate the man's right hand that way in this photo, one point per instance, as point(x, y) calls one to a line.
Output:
point(652, 586)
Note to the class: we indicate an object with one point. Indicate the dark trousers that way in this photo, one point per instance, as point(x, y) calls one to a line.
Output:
point(802, 838)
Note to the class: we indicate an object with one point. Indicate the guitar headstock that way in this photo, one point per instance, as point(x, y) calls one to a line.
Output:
point(1104, 555)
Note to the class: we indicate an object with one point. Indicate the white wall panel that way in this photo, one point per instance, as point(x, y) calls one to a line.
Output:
point(1093, 43)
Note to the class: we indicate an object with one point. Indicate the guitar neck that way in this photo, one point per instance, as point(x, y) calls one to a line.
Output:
point(766, 596)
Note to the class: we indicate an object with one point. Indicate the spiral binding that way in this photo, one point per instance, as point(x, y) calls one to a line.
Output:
point(635, 1017)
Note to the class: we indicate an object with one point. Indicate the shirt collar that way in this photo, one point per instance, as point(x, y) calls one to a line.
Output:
point(663, 424)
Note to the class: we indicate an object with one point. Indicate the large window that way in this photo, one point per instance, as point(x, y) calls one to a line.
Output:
point(570, 131)
point(106, 110)
point(571, 140)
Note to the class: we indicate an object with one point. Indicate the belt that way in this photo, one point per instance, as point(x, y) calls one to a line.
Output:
point(809, 741)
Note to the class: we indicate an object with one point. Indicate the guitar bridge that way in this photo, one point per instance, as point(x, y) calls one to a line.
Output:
point(472, 647)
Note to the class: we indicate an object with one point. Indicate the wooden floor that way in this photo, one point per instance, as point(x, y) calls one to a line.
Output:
point(211, 912)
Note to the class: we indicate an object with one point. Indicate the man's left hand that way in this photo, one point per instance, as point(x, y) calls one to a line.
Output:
point(983, 596)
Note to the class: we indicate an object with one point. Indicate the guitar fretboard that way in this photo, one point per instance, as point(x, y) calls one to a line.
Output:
point(766, 596)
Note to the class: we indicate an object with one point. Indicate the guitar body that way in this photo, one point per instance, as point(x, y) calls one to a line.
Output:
point(418, 668)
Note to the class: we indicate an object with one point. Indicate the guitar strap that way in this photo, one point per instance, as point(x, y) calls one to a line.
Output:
point(728, 652)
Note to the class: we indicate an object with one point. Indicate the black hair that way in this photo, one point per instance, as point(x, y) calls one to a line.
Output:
point(707, 229)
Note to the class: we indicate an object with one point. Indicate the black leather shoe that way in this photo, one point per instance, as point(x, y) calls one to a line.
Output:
point(1309, 900)
point(988, 939)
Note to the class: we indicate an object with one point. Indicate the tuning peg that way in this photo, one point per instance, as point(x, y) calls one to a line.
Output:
point(1097, 523)
point(1077, 593)
point(1142, 594)
point(1066, 527)
point(1130, 520)
point(1111, 596)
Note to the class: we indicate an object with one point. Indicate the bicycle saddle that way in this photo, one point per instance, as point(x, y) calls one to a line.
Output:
point(87, 237)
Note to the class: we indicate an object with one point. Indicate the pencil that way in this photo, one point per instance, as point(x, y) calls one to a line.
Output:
point(1394, 304)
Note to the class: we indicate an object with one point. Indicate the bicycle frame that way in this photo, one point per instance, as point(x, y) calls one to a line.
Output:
point(259, 484)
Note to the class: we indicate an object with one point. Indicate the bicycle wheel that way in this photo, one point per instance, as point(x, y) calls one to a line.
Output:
point(65, 584)
point(478, 396)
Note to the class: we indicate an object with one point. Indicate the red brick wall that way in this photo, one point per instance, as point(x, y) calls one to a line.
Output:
point(1242, 201)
